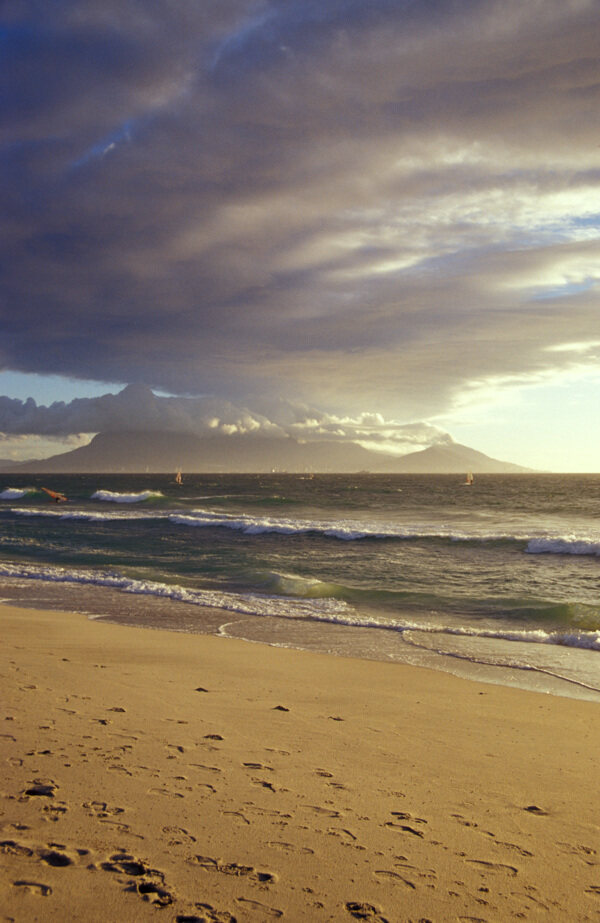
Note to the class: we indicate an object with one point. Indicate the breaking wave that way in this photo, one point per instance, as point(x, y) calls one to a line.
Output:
point(586, 543)
point(352, 530)
point(347, 530)
point(113, 497)
point(249, 604)
point(16, 493)
point(82, 515)
point(331, 610)
point(563, 545)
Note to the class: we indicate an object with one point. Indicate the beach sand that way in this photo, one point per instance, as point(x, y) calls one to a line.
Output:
point(152, 775)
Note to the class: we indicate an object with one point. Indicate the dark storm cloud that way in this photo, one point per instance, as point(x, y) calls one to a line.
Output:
point(363, 206)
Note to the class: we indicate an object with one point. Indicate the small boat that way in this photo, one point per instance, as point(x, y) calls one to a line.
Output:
point(179, 478)
point(469, 479)
point(55, 495)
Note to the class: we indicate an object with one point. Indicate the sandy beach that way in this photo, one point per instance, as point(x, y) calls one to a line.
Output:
point(151, 775)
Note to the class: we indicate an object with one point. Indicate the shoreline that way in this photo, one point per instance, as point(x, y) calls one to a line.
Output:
point(162, 613)
point(222, 780)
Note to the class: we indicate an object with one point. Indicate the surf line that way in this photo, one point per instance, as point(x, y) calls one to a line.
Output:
point(491, 663)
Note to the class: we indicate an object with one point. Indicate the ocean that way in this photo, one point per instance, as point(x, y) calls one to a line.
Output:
point(498, 581)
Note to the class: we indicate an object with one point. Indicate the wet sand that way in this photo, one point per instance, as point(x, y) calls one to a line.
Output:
point(150, 775)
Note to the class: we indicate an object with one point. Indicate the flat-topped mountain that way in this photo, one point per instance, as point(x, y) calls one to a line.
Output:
point(133, 452)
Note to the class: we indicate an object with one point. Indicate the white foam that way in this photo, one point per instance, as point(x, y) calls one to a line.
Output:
point(251, 604)
point(113, 497)
point(82, 515)
point(550, 542)
point(13, 493)
point(564, 544)
point(329, 610)
point(588, 640)
point(347, 530)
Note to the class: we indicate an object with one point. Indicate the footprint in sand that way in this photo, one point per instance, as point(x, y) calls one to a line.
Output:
point(9, 847)
point(396, 877)
point(165, 791)
point(462, 820)
point(264, 911)
point(207, 768)
point(55, 811)
point(403, 815)
point(369, 912)
point(176, 747)
point(34, 887)
point(149, 883)
point(178, 835)
point(153, 893)
point(530, 898)
point(514, 848)
point(267, 812)
point(344, 834)
point(262, 784)
point(328, 812)
point(209, 915)
point(427, 874)
point(403, 828)
point(232, 868)
point(54, 854)
point(40, 789)
point(494, 866)
point(101, 809)
point(289, 847)
point(55, 859)
point(261, 766)
point(534, 809)
point(585, 853)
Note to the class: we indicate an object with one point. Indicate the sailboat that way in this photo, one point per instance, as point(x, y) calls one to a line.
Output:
point(469, 479)
point(178, 477)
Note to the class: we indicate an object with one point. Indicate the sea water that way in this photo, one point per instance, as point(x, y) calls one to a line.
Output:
point(498, 581)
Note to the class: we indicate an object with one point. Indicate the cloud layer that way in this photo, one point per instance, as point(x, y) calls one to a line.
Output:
point(351, 205)
point(137, 409)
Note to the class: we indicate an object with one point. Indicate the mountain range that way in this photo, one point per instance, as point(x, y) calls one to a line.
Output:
point(155, 452)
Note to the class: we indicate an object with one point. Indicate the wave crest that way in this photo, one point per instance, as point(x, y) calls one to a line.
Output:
point(114, 497)
point(334, 611)
point(15, 493)
point(563, 545)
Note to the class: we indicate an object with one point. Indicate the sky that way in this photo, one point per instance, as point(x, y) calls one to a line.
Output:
point(376, 222)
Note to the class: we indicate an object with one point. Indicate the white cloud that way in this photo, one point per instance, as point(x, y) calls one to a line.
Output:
point(138, 409)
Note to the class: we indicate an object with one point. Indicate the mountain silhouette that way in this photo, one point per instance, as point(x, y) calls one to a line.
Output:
point(155, 452)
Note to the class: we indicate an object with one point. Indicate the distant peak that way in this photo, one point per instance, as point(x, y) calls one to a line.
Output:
point(136, 390)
